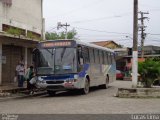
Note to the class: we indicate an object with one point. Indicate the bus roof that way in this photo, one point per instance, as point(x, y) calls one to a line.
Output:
point(83, 43)
point(93, 46)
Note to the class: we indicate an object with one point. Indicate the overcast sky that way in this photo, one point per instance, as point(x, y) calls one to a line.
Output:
point(99, 20)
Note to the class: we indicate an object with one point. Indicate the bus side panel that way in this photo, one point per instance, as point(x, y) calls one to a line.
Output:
point(95, 74)
point(112, 73)
point(106, 69)
point(82, 74)
point(98, 74)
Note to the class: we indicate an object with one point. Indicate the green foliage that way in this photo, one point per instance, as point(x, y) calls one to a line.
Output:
point(29, 35)
point(14, 31)
point(149, 71)
point(32, 36)
point(157, 58)
point(53, 35)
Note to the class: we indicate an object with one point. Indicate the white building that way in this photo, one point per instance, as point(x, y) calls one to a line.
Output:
point(21, 27)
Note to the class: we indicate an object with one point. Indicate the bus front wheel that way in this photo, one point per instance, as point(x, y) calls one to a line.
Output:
point(85, 90)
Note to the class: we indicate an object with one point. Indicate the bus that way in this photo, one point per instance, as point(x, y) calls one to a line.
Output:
point(73, 65)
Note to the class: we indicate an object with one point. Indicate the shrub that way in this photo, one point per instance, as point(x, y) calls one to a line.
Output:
point(149, 71)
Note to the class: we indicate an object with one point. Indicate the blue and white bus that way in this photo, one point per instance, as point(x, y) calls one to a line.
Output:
point(68, 65)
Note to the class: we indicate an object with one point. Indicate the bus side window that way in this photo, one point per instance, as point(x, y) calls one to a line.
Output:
point(111, 58)
point(85, 54)
point(101, 57)
point(91, 55)
point(80, 56)
point(107, 57)
point(96, 53)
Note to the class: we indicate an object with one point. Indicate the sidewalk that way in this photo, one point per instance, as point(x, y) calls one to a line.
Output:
point(13, 91)
point(12, 88)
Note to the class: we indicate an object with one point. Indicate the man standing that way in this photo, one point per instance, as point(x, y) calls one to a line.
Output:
point(20, 73)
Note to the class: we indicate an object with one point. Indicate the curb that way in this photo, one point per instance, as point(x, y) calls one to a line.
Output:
point(138, 93)
point(12, 97)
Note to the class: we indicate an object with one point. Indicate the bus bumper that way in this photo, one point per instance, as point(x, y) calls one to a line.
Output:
point(58, 87)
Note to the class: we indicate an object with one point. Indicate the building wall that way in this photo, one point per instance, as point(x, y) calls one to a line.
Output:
point(26, 14)
point(13, 55)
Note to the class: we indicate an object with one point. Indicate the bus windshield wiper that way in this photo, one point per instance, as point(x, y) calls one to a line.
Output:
point(52, 53)
point(62, 54)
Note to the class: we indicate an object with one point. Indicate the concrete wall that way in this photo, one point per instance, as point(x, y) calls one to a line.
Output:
point(26, 14)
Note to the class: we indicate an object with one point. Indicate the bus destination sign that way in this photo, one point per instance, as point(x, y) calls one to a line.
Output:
point(57, 44)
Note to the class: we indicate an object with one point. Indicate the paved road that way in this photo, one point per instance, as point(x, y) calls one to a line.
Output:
point(98, 101)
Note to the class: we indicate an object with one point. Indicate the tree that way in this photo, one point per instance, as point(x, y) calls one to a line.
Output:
point(54, 35)
point(149, 71)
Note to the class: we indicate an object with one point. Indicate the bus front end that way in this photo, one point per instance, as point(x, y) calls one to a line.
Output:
point(58, 82)
point(56, 65)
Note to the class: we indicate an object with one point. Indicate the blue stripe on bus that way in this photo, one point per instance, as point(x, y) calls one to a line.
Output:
point(59, 77)
point(62, 77)
point(84, 71)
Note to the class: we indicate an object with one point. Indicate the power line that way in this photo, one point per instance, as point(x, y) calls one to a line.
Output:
point(81, 8)
point(101, 31)
point(146, 5)
point(152, 34)
point(85, 35)
point(51, 29)
point(102, 18)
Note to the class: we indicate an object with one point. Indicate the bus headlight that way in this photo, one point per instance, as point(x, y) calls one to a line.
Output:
point(71, 80)
point(40, 80)
point(75, 76)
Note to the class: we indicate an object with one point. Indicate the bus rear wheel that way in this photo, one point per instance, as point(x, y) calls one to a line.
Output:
point(105, 86)
point(85, 90)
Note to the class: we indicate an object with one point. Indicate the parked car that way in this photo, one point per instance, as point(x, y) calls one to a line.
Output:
point(119, 75)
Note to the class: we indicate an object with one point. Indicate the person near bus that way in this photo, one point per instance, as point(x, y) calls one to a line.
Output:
point(28, 76)
point(20, 70)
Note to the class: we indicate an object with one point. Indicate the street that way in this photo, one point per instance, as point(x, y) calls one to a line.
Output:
point(98, 101)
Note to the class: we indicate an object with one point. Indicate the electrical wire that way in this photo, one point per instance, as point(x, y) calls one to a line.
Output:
point(80, 8)
point(103, 18)
point(152, 34)
point(101, 31)
point(51, 29)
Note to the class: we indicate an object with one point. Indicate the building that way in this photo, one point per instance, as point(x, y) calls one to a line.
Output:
point(150, 51)
point(108, 44)
point(21, 28)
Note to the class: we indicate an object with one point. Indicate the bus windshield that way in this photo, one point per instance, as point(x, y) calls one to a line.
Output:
point(56, 61)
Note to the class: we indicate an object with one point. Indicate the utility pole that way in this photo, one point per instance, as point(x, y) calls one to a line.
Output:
point(142, 29)
point(135, 41)
point(59, 25)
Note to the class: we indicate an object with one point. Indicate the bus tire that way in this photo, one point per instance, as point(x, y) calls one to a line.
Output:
point(85, 90)
point(105, 86)
point(51, 93)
